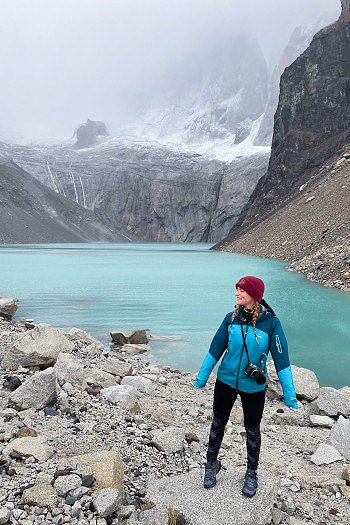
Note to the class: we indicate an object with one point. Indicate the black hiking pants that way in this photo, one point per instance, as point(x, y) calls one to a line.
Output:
point(253, 407)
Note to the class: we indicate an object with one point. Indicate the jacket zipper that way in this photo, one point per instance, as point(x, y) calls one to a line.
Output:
point(240, 360)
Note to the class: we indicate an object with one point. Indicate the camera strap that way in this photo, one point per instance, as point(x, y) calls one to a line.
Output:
point(246, 348)
point(244, 342)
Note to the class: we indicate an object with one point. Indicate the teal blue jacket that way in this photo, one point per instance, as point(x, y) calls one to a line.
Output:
point(228, 341)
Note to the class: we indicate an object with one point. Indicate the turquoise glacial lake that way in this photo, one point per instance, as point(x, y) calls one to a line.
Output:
point(181, 290)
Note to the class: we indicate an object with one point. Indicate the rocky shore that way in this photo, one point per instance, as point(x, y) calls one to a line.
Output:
point(96, 435)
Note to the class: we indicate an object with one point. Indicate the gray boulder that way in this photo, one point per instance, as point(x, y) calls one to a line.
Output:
point(137, 337)
point(325, 454)
point(331, 402)
point(142, 384)
point(5, 515)
point(186, 494)
point(37, 392)
point(31, 446)
point(274, 386)
point(64, 484)
point(115, 366)
point(41, 495)
point(305, 382)
point(126, 394)
point(321, 421)
point(69, 369)
point(37, 347)
point(170, 440)
point(107, 501)
point(340, 436)
point(135, 349)
point(75, 334)
point(99, 377)
point(8, 307)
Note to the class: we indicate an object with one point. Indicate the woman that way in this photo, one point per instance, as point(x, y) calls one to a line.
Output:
point(246, 335)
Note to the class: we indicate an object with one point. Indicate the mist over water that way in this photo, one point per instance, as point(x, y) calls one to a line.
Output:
point(181, 290)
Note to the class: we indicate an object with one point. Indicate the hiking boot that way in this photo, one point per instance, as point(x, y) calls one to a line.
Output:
point(250, 483)
point(211, 469)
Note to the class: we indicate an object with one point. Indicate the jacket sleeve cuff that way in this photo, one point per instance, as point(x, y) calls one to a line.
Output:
point(286, 380)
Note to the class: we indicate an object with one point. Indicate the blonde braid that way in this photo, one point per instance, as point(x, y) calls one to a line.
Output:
point(256, 312)
point(235, 313)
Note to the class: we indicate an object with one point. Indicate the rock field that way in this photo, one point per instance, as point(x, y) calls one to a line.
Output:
point(96, 435)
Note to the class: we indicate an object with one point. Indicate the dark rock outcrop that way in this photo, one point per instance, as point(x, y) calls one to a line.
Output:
point(310, 137)
point(89, 133)
point(311, 122)
point(299, 41)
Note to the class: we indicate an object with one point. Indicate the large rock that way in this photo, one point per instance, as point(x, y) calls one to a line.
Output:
point(31, 446)
point(305, 382)
point(37, 392)
point(340, 436)
point(137, 337)
point(37, 347)
point(5, 515)
point(142, 384)
point(115, 366)
point(106, 466)
point(186, 494)
point(41, 495)
point(331, 402)
point(107, 501)
point(99, 377)
point(125, 394)
point(164, 414)
point(64, 484)
point(325, 454)
point(321, 421)
point(135, 349)
point(69, 369)
point(75, 334)
point(8, 307)
point(170, 440)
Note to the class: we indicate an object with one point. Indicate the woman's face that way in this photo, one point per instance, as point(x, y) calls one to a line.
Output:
point(244, 299)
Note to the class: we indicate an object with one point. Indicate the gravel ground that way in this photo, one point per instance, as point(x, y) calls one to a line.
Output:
point(87, 423)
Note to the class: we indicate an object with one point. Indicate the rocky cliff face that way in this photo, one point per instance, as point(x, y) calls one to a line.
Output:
point(32, 213)
point(299, 41)
point(155, 193)
point(310, 136)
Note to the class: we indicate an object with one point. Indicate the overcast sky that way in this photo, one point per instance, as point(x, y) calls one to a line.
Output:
point(64, 61)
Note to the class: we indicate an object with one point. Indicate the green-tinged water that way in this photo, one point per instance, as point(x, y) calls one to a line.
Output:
point(182, 290)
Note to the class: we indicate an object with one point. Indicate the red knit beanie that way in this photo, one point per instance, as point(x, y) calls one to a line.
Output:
point(253, 286)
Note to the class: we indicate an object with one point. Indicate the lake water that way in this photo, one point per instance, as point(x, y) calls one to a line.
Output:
point(182, 290)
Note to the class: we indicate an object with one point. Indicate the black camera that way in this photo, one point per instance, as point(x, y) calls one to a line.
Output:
point(256, 373)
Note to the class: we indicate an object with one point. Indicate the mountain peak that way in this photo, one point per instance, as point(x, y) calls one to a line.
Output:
point(89, 133)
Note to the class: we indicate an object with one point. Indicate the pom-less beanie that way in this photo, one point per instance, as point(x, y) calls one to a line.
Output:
point(253, 286)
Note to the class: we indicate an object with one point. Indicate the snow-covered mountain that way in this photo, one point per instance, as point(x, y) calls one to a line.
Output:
point(216, 99)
